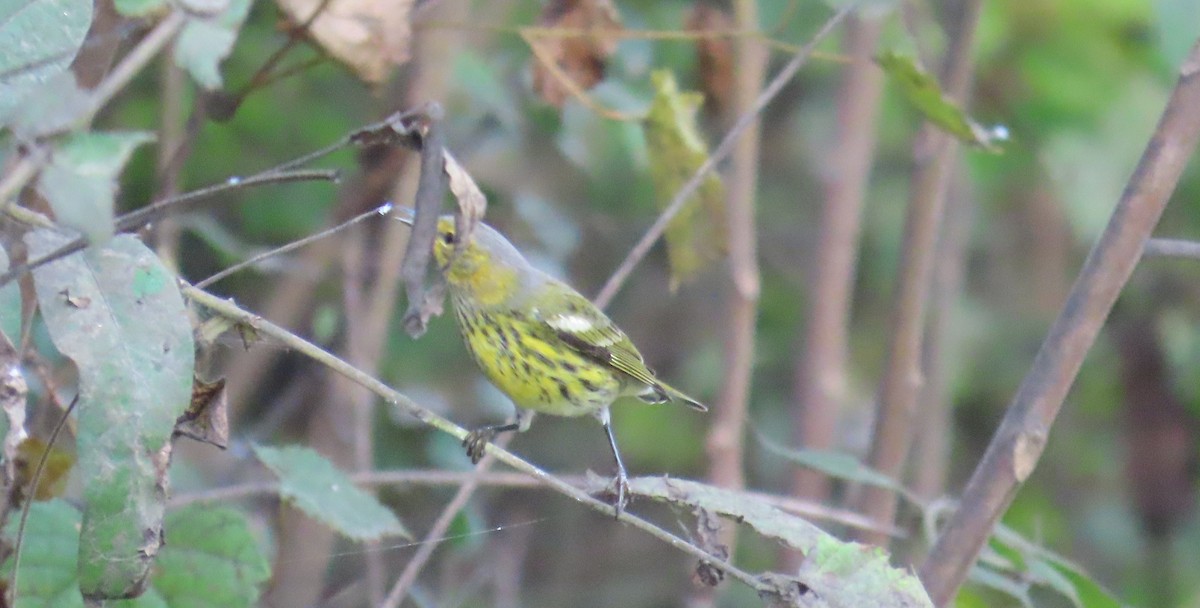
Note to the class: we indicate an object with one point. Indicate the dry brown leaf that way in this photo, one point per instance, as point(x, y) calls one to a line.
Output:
point(207, 417)
point(580, 58)
point(472, 204)
point(714, 56)
point(368, 36)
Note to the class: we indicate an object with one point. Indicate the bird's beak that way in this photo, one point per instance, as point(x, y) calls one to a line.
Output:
point(404, 214)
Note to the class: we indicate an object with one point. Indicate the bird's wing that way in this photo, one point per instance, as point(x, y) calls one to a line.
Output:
point(581, 326)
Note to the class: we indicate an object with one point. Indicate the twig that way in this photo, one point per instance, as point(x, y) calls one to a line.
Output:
point(902, 378)
point(684, 195)
point(1172, 248)
point(438, 530)
point(1018, 443)
point(174, 204)
point(231, 311)
point(436, 477)
point(383, 209)
point(29, 497)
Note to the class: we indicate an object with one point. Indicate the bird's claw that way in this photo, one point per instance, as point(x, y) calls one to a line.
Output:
point(621, 492)
point(476, 442)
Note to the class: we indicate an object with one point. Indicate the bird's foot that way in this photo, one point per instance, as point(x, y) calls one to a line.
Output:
point(620, 490)
point(476, 442)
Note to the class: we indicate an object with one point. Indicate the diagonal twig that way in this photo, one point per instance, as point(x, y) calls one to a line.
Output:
point(684, 195)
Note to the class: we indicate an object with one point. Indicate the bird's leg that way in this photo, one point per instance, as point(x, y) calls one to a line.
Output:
point(476, 440)
point(622, 480)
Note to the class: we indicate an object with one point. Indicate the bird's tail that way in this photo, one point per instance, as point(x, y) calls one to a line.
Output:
point(661, 392)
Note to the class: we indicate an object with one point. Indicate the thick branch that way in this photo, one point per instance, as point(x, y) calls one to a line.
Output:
point(1018, 443)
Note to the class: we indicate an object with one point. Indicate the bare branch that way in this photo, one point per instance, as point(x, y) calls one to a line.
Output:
point(1018, 443)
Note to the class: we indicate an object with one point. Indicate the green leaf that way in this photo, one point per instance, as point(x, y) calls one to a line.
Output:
point(922, 91)
point(50, 107)
point(1049, 569)
point(842, 573)
point(38, 40)
point(10, 303)
point(211, 560)
point(315, 486)
point(117, 313)
point(206, 41)
point(696, 236)
point(998, 581)
point(48, 556)
point(835, 464)
point(80, 182)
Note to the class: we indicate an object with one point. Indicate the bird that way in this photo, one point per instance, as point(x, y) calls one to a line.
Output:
point(539, 341)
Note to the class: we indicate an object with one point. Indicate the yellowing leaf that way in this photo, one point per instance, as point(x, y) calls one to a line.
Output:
point(368, 36)
point(696, 237)
point(54, 475)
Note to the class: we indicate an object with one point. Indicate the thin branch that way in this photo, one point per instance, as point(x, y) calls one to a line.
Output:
point(935, 153)
point(684, 195)
point(383, 209)
point(438, 530)
point(30, 496)
point(231, 311)
point(1017, 445)
point(1172, 248)
point(437, 477)
point(175, 204)
point(627, 34)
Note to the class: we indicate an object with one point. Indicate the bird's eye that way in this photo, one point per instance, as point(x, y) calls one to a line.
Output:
point(448, 238)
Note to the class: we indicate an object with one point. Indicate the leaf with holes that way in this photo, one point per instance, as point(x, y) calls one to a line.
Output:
point(117, 313)
point(38, 40)
point(81, 181)
point(839, 573)
point(315, 486)
point(696, 236)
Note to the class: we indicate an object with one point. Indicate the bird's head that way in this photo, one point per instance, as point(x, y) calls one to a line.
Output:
point(487, 265)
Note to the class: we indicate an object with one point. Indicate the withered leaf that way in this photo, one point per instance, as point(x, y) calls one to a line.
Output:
point(207, 417)
point(368, 36)
point(580, 58)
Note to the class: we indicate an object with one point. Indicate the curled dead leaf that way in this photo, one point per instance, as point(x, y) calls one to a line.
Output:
point(369, 36)
point(207, 417)
point(582, 58)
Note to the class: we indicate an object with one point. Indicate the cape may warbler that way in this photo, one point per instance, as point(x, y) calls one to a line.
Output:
point(539, 341)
